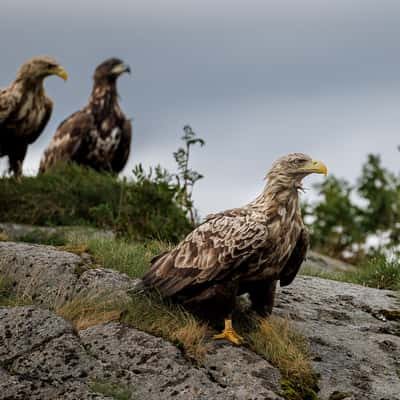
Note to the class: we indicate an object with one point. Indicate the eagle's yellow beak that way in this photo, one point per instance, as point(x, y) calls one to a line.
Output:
point(120, 69)
point(59, 71)
point(315, 167)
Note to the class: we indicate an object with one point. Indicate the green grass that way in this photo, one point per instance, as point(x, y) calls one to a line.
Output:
point(378, 272)
point(114, 390)
point(72, 195)
point(131, 258)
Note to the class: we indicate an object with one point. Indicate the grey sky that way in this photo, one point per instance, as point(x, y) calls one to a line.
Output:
point(256, 79)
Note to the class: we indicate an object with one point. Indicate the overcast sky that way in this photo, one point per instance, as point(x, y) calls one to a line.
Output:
point(256, 79)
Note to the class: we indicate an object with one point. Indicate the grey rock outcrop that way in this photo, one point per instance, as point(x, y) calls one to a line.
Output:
point(41, 357)
point(356, 349)
point(354, 341)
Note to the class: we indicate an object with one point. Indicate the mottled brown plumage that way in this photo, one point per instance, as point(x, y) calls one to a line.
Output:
point(241, 250)
point(99, 135)
point(25, 109)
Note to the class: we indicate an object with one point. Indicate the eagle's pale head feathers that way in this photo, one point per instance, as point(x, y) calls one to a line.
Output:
point(297, 164)
point(38, 68)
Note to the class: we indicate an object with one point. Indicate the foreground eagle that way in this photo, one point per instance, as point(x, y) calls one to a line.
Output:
point(99, 135)
point(25, 109)
point(243, 250)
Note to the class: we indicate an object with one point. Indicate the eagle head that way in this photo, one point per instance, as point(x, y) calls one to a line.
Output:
point(38, 68)
point(110, 70)
point(296, 166)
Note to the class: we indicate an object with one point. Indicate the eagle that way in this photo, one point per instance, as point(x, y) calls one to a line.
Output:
point(241, 250)
point(25, 109)
point(99, 135)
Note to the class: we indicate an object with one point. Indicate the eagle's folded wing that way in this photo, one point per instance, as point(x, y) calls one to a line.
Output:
point(67, 140)
point(297, 257)
point(122, 153)
point(48, 104)
point(8, 102)
point(210, 252)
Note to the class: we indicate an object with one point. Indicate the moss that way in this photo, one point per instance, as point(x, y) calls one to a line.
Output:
point(339, 395)
point(391, 315)
point(110, 389)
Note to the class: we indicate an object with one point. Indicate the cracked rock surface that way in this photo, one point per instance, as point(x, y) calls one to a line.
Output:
point(354, 341)
point(356, 349)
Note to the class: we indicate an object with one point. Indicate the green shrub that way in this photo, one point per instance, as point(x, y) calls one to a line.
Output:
point(72, 195)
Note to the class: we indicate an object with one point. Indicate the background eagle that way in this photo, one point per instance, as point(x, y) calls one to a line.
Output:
point(99, 135)
point(25, 109)
point(243, 250)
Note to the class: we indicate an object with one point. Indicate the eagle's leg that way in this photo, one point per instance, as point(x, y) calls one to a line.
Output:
point(16, 158)
point(262, 296)
point(229, 333)
point(216, 302)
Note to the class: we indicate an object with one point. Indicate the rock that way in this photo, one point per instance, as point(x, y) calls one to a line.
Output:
point(239, 368)
point(22, 231)
point(42, 358)
point(155, 368)
point(354, 334)
point(50, 277)
point(318, 263)
point(103, 279)
point(354, 350)
point(41, 272)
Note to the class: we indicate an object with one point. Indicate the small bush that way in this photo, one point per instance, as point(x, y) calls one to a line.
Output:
point(72, 195)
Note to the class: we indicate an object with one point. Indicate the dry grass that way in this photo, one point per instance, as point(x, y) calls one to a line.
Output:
point(78, 249)
point(172, 322)
point(92, 308)
point(3, 237)
point(278, 342)
point(9, 296)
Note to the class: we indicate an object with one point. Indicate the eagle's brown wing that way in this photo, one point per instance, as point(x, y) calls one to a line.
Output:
point(122, 153)
point(48, 104)
point(213, 250)
point(8, 102)
point(67, 140)
point(297, 257)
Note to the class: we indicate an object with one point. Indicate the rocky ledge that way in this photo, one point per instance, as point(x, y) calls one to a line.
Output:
point(353, 331)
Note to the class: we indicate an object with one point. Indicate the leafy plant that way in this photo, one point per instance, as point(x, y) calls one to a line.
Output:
point(186, 177)
point(346, 218)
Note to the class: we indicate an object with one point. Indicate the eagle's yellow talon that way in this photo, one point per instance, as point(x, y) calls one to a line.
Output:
point(229, 334)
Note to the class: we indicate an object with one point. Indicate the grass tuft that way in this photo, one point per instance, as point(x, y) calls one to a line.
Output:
point(93, 308)
point(169, 321)
point(131, 258)
point(276, 341)
point(9, 297)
